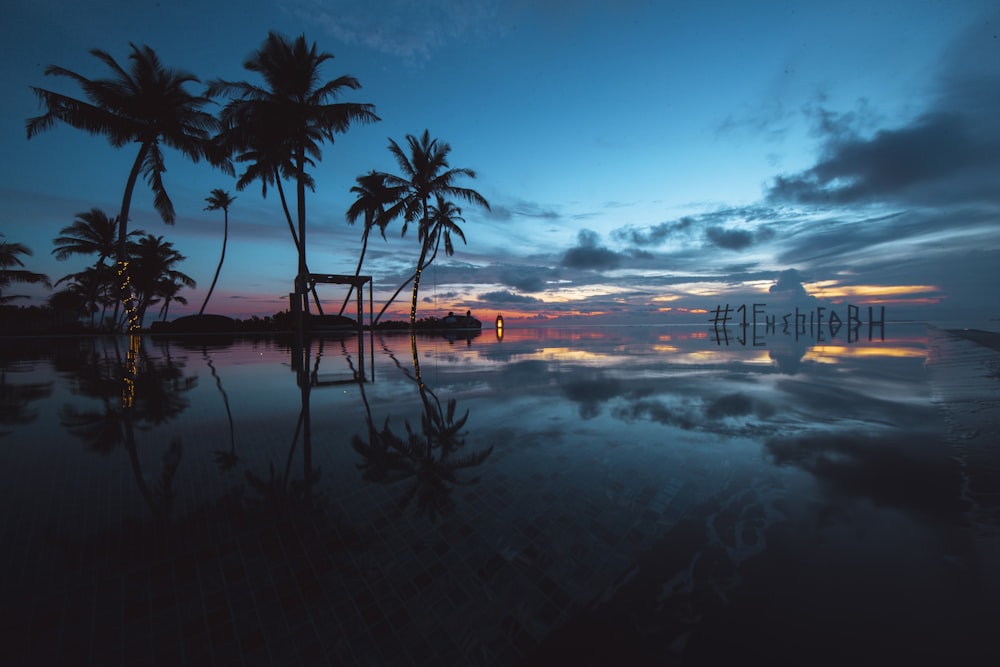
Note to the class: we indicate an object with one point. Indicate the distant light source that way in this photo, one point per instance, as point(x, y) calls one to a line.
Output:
point(500, 326)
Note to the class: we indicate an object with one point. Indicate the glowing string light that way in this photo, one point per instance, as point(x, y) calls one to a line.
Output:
point(128, 298)
point(128, 382)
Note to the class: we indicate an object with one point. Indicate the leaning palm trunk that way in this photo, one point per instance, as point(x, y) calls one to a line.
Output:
point(393, 298)
point(357, 271)
point(416, 283)
point(126, 289)
point(402, 287)
point(222, 258)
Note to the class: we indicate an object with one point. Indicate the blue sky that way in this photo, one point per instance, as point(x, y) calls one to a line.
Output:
point(643, 159)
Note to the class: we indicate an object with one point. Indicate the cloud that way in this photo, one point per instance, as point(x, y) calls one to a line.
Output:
point(521, 209)
point(587, 254)
point(717, 228)
point(521, 279)
point(789, 283)
point(730, 239)
point(896, 164)
point(655, 235)
point(947, 154)
point(413, 31)
point(504, 296)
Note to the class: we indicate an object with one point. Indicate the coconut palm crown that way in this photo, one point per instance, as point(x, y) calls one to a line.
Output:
point(278, 127)
point(143, 104)
point(425, 174)
point(9, 257)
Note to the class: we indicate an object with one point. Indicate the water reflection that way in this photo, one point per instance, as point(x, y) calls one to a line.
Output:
point(642, 490)
point(132, 391)
point(429, 458)
point(16, 397)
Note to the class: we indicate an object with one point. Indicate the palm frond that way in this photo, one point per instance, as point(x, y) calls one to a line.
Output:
point(153, 168)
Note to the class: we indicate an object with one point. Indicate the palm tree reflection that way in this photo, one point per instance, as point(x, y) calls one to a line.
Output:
point(225, 459)
point(16, 397)
point(280, 495)
point(134, 392)
point(428, 457)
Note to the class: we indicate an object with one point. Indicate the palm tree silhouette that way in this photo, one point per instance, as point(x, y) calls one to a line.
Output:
point(298, 109)
point(219, 198)
point(93, 232)
point(90, 288)
point(154, 273)
point(263, 149)
point(442, 222)
point(169, 289)
point(425, 173)
point(373, 197)
point(9, 257)
point(146, 104)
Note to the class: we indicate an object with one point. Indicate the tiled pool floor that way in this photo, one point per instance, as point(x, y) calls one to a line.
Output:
point(283, 585)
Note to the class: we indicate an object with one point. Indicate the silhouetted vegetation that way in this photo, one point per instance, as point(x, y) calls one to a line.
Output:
point(10, 257)
point(219, 199)
point(283, 123)
point(146, 104)
point(274, 128)
point(425, 174)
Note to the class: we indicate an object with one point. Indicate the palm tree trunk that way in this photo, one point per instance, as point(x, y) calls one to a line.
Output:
point(288, 213)
point(222, 257)
point(416, 285)
point(291, 228)
point(300, 192)
point(357, 271)
point(125, 285)
point(402, 287)
point(420, 267)
point(393, 298)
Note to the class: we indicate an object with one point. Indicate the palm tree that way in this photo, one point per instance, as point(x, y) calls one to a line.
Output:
point(264, 149)
point(219, 198)
point(373, 198)
point(425, 173)
point(93, 232)
point(71, 304)
point(9, 256)
point(147, 104)
point(168, 289)
point(154, 274)
point(97, 285)
point(298, 110)
point(267, 161)
point(443, 219)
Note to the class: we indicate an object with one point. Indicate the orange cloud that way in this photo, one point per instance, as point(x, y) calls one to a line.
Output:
point(830, 289)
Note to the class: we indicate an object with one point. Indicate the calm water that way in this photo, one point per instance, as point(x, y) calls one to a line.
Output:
point(646, 495)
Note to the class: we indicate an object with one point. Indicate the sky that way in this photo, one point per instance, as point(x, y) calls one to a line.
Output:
point(645, 162)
